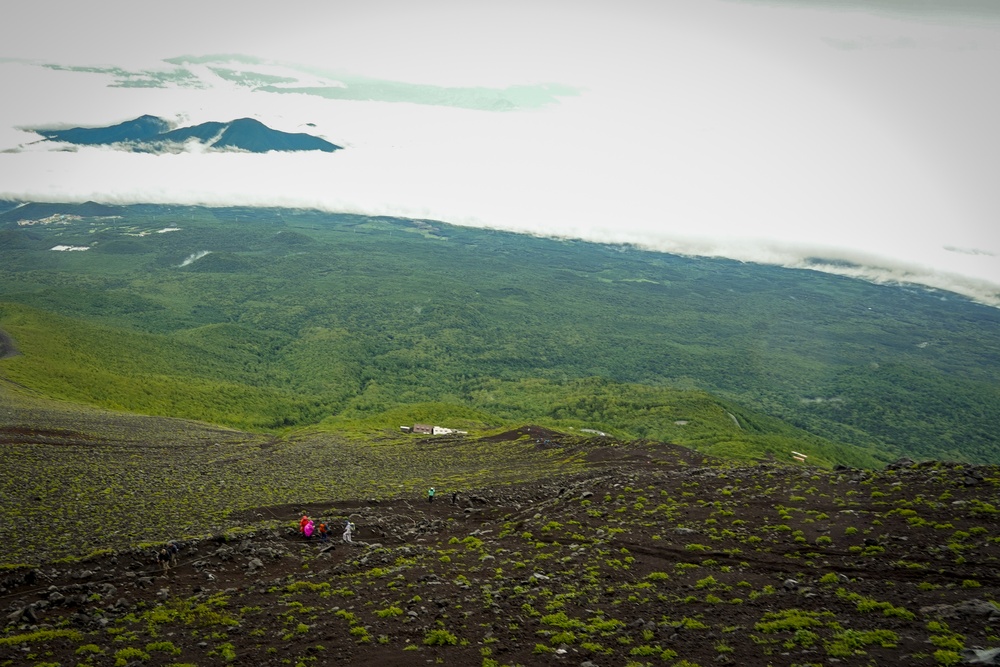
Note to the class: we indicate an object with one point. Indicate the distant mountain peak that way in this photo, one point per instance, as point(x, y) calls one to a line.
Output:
point(151, 134)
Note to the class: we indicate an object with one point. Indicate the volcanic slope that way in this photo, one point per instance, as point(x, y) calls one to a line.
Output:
point(644, 554)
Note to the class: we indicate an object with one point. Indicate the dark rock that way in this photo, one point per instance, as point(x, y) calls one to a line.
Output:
point(974, 608)
point(29, 614)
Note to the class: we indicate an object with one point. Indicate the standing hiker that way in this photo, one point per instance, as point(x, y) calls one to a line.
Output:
point(323, 532)
point(163, 558)
point(454, 498)
point(173, 550)
point(302, 523)
point(430, 495)
point(348, 529)
point(309, 528)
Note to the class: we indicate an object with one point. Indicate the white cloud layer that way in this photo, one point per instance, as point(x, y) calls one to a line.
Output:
point(752, 131)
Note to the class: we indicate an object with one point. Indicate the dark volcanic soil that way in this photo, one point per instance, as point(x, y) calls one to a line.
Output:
point(7, 347)
point(655, 556)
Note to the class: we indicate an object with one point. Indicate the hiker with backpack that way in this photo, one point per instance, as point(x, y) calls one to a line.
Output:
point(163, 558)
point(173, 550)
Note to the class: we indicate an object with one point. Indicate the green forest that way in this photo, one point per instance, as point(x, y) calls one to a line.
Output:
point(276, 320)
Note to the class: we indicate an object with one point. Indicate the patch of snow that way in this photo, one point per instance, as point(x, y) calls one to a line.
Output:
point(193, 257)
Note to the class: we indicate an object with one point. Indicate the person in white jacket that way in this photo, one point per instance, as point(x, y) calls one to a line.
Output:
point(348, 529)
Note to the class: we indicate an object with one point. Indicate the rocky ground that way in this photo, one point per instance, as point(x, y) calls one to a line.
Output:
point(653, 555)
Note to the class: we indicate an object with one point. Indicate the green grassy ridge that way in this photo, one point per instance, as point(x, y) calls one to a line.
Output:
point(146, 380)
point(625, 413)
point(634, 412)
point(440, 414)
point(334, 314)
point(151, 374)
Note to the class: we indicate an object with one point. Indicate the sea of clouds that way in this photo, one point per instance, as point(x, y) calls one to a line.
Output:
point(808, 138)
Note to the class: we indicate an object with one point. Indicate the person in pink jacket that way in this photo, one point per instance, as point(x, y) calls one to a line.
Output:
point(309, 529)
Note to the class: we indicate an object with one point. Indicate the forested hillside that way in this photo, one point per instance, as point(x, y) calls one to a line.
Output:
point(273, 319)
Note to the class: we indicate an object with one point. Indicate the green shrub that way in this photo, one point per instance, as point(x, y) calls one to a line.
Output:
point(947, 658)
point(440, 637)
point(392, 610)
point(164, 647)
point(128, 654)
point(40, 636)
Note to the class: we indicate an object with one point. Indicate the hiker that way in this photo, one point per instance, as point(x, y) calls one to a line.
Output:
point(454, 498)
point(163, 558)
point(309, 529)
point(430, 495)
point(348, 529)
point(302, 523)
point(323, 532)
point(173, 550)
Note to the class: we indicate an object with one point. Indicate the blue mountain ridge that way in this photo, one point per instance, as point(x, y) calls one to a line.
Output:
point(151, 134)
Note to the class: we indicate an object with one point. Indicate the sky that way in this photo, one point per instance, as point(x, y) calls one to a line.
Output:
point(853, 137)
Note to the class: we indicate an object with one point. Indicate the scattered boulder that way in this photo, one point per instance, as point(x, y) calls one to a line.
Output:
point(974, 608)
point(971, 656)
